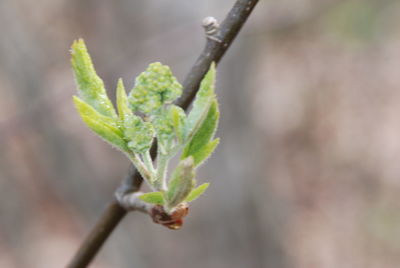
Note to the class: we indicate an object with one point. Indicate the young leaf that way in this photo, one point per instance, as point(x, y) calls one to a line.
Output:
point(195, 193)
point(204, 98)
point(178, 118)
point(181, 182)
point(153, 198)
point(153, 88)
point(205, 152)
point(122, 101)
point(90, 86)
point(204, 134)
point(102, 125)
point(139, 133)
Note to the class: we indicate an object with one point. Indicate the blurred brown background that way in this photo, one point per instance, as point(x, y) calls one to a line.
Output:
point(307, 174)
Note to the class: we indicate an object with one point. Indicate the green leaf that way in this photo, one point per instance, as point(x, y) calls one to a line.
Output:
point(178, 118)
point(122, 101)
point(153, 88)
point(153, 198)
point(103, 126)
point(90, 86)
point(181, 182)
point(204, 134)
point(197, 192)
point(139, 133)
point(204, 98)
point(201, 155)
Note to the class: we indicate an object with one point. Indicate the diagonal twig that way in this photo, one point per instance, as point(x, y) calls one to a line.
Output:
point(215, 48)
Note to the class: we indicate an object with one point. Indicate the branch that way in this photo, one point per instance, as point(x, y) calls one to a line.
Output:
point(215, 48)
point(110, 218)
point(217, 44)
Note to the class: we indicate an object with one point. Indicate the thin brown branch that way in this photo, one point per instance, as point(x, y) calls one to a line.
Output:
point(213, 51)
point(105, 225)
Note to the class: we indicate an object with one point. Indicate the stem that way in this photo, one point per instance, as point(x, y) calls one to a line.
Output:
point(110, 218)
point(176, 149)
point(133, 202)
point(100, 232)
point(214, 50)
point(162, 164)
point(141, 167)
point(148, 162)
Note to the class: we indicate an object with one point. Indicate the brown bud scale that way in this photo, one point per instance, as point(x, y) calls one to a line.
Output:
point(172, 221)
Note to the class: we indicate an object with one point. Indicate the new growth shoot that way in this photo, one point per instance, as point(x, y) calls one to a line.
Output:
point(147, 115)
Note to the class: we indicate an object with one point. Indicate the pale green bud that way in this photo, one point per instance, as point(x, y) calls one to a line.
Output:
point(153, 88)
point(139, 133)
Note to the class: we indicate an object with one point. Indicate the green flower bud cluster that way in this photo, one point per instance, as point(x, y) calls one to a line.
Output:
point(156, 117)
point(153, 88)
point(138, 133)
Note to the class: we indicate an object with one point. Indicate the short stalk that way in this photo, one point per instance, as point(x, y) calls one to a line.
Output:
point(148, 162)
point(176, 149)
point(162, 163)
point(141, 167)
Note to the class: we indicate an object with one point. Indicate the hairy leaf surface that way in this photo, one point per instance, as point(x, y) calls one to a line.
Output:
point(90, 86)
point(205, 152)
point(197, 192)
point(204, 134)
point(103, 126)
point(122, 101)
point(204, 98)
point(153, 198)
point(181, 182)
point(178, 117)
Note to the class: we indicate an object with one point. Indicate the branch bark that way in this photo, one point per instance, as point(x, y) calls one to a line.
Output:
point(214, 50)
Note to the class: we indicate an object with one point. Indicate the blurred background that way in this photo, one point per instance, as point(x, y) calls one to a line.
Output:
point(307, 173)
